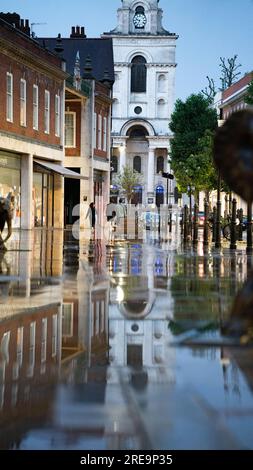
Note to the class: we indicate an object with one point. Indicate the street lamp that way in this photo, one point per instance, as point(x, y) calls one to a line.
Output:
point(168, 177)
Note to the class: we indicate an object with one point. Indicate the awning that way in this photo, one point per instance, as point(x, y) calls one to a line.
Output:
point(60, 170)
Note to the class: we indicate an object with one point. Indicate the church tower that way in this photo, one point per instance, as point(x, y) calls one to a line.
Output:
point(143, 96)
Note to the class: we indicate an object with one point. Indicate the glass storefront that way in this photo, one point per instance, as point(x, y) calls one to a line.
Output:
point(42, 198)
point(10, 181)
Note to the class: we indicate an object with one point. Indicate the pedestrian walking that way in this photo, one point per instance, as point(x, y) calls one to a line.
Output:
point(92, 215)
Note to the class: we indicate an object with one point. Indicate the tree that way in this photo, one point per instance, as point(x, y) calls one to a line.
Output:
point(210, 91)
point(249, 96)
point(229, 72)
point(189, 122)
point(127, 180)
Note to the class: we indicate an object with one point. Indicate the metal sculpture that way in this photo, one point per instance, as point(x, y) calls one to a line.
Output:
point(6, 215)
point(233, 155)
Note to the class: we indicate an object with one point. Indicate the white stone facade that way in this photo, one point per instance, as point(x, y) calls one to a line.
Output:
point(150, 109)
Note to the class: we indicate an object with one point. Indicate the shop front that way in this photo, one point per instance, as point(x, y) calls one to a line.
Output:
point(42, 197)
point(10, 181)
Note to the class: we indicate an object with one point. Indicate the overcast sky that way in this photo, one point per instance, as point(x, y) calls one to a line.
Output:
point(208, 29)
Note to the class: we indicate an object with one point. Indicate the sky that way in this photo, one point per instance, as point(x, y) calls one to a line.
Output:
point(207, 29)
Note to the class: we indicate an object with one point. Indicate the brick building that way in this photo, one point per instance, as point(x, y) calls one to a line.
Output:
point(87, 119)
point(31, 126)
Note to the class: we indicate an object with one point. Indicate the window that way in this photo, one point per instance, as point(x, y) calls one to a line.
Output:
point(95, 130)
point(9, 96)
point(54, 335)
point(20, 337)
point(22, 102)
point(105, 134)
point(161, 109)
point(57, 115)
point(115, 108)
point(138, 75)
point(114, 164)
point(31, 365)
point(162, 83)
point(160, 164)
point(137, 164)
point(47, 112)
point(70, 129)
point(35, 107)
point(67, 320)
point(44, 340)
point(99, 132)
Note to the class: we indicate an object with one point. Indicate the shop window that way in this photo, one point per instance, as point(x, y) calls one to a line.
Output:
point(67, 320)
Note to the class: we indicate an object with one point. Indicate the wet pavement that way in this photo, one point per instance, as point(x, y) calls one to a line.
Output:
point(121, 346)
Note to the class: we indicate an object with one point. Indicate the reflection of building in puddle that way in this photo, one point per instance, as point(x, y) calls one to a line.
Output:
point(30, 355)
point(138, 321)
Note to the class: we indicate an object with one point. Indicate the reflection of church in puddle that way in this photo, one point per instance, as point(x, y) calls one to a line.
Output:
point(140, 309)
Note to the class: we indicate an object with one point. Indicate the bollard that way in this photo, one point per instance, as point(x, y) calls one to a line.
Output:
point(233, 226)
point(186, 214)
point(195, 225)
point(240, 226)
point(136, 228)
point(214, 224)
point(206, 226)
point(249, 228)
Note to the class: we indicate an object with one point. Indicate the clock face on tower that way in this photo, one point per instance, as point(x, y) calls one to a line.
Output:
point(139, 20)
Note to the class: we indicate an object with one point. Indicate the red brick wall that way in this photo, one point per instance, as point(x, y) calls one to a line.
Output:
point(237, 86)
point(21, 65)
point(32, 78)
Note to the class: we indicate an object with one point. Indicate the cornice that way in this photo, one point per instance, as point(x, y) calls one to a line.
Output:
point(148, 65)
point(29, 59)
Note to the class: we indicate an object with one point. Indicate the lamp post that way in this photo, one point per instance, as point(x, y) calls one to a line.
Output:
point(169, 177)
point(218, 214)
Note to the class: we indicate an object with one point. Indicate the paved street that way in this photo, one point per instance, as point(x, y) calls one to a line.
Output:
point(119, 346)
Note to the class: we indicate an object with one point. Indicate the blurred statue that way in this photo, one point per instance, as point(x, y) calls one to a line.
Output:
point(6, 215)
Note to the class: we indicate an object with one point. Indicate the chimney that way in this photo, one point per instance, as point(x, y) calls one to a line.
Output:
point(25, 27)
point(88, 69)
point(59, 47)
point(77, 32)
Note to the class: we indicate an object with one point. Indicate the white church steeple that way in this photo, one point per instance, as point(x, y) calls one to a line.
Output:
point(140, 17)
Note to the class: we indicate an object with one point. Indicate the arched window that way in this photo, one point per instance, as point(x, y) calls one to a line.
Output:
point(161, 109)
point(115, 108)
point(137, 164)
point(162, 83)
point(114, 164)
point(139, 10)
point(160, 164)
point(138, 75)
point(137, 132)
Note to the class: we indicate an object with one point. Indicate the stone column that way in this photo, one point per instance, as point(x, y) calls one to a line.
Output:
point(27, 221)
point(151, 171)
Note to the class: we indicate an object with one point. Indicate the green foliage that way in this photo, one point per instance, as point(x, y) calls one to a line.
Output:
point(127, 180)
point(189, 123)
point(249, 96)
